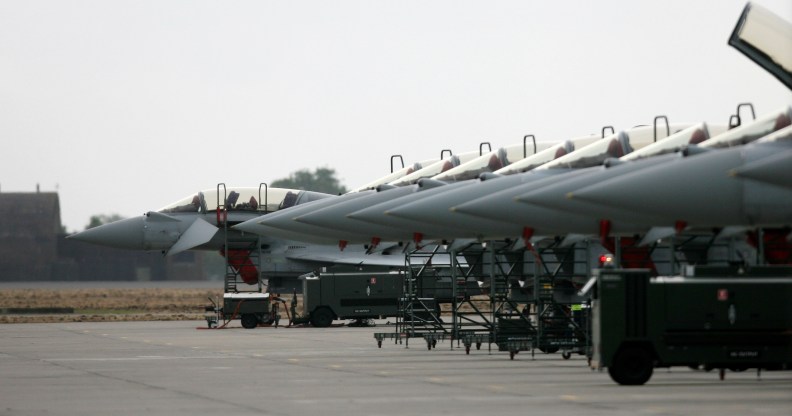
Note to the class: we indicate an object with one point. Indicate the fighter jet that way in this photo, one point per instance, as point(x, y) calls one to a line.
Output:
point(205, 220)
point(194, 221)
point(699, 191)
point(564, 195)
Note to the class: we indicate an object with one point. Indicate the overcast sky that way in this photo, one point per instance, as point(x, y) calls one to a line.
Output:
point(125, 106)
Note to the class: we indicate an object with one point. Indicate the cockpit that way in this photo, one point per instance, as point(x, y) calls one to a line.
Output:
point(243, 199)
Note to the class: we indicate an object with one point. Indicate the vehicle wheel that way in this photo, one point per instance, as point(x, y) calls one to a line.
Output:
point(632, 366)
point(566, 355)
point(249, 321)
point(322, 318)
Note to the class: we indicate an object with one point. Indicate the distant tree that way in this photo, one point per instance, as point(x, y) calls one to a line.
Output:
point(100, 219)
point(321, 180)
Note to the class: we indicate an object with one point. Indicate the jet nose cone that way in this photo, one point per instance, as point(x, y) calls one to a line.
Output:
point(249, 226)
point(127, 233)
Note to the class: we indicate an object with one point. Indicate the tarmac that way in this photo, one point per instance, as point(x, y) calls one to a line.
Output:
point(175, 368)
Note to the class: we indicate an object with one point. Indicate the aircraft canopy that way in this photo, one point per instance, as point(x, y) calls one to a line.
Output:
point(243, 199)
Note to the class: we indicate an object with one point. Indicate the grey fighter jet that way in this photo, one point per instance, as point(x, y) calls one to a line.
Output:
point(194, 221)
point(563, 195)
point(699, 191)
point(205, 221)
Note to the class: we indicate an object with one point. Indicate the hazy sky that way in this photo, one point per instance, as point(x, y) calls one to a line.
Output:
point(125, 106)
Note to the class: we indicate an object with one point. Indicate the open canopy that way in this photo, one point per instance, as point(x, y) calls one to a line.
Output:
point(242, 199)
point(767, 40)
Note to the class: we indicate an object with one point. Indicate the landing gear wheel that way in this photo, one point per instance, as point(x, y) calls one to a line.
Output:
point(322, 318)
point(249, 321)
point(632, 366)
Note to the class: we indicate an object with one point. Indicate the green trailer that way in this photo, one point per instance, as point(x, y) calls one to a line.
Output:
point(733, 322)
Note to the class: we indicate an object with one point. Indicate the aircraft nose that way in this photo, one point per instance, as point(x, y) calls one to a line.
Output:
point(126, 233)
point(249, 226)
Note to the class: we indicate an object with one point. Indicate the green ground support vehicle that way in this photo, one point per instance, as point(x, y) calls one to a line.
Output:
point(351, 295)
point(724, 320)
